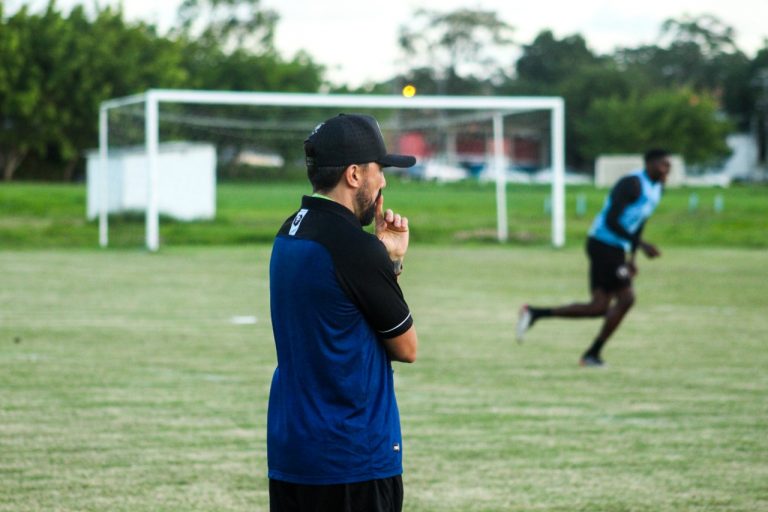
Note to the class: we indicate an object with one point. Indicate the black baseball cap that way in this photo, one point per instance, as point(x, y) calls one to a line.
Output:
point(350, 139)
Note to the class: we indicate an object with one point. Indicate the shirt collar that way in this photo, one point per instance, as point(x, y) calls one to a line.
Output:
point(329, 205)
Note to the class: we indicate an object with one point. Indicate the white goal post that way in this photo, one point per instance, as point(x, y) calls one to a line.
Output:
point(497, 107)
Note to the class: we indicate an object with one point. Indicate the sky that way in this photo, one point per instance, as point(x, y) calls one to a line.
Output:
point(357, 39)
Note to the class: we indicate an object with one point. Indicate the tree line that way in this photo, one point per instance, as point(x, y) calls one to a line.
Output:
point(687, 92)
point(56, 68)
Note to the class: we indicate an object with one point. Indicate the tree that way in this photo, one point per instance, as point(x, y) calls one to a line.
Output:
point(19, 94)
point(701, 54)
point(228, 45)
point(458, 49)
point(547, 62)
point(229, 24)
point(55, 70)
point(62, 68)
point(567, 67)
point(146, 60)
point(708, 33)
point(682, 121)
point(758, 82)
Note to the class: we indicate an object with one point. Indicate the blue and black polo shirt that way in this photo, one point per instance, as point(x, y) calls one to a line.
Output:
point(332, 414)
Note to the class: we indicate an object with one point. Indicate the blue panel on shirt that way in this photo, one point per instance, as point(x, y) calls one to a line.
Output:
point(333, 417)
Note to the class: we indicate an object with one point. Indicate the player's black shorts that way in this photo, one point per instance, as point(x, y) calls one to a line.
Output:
point(385, 495)
point(608, 269)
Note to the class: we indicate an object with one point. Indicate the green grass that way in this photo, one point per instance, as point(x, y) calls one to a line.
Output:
point(124, 387)
point(48, 216)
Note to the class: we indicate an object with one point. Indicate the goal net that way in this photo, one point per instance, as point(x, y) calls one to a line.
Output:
point(160, 152)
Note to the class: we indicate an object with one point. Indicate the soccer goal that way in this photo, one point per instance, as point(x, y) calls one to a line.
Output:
point(453, 137)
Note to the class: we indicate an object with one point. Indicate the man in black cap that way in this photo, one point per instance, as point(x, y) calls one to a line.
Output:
point(339, 318)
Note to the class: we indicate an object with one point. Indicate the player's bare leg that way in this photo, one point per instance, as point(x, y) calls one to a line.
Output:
point(625, 298)
point(612, 306)
point(598, 306)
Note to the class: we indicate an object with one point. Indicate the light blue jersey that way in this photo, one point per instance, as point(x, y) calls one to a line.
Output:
point(633, 216)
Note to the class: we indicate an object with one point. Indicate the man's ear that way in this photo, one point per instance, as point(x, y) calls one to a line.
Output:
point(354, 176)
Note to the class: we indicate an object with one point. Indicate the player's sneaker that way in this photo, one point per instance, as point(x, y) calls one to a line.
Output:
point(524, 321)
point(591, 361)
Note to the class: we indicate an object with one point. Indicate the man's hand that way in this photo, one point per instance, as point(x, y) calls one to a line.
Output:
point(392, 230)
point(650, 250)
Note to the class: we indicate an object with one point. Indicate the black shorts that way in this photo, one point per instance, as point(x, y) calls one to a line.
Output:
point(608, 270)
point(385, 495)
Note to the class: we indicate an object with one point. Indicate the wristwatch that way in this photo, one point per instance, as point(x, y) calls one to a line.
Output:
point(397, 266)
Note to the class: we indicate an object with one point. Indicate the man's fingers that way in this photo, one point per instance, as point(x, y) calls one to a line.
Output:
point(397, 221)
point(389, 217)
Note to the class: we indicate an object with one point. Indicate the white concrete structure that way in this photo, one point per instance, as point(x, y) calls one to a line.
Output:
point(744, 156)
point(186, 181)
point(609, 168)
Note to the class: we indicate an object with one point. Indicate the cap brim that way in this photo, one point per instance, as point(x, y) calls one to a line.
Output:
point(397, 161)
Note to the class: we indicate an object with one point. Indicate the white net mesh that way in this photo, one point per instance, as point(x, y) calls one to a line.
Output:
point(253, 142)
point(265, 143)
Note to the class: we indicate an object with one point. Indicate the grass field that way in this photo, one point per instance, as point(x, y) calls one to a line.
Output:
point(52, 216)
point(124, 386)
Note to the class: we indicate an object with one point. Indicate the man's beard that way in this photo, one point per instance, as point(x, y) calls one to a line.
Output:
point(365, 206)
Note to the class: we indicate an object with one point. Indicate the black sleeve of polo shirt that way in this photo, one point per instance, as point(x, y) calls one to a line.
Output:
point(624, 193)
point(368, 277)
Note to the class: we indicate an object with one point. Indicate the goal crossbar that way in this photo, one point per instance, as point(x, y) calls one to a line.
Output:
point(496, 108)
